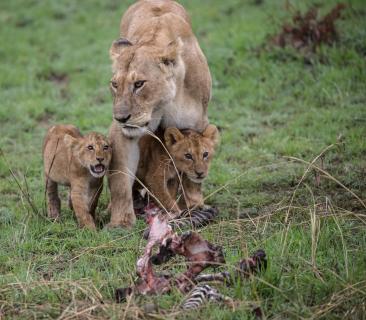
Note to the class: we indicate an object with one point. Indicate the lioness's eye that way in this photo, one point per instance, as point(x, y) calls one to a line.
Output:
point(188, 156)
point(114, 84)
point(90, 147)
point(105, 147)
point(139, 84)
point(205, 155)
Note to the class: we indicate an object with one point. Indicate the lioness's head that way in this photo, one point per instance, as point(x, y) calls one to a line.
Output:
point(143, 81)
point(191, 151)
point(93, 151)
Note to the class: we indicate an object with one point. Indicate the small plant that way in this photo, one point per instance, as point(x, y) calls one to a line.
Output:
point(307, 31)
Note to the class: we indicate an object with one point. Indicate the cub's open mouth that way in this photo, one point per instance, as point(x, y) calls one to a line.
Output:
point(97, 170)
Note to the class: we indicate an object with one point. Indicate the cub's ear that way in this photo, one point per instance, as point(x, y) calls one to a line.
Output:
point(109, 143)
point(172, 136)
point(172, 52)
point(212, 133)
point(117, 47)
point(70, 141)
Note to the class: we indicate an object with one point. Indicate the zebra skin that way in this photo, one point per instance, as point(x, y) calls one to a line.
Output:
point(195, 218)
point(202, 294)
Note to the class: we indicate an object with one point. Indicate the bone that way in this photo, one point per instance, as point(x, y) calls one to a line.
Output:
point(198, 252)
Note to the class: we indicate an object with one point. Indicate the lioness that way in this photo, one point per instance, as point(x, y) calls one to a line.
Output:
point(79, 162)
point(160, 77)
point(190, 154)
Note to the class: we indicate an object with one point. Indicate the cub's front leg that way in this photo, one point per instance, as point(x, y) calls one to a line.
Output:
point(192, 196)
point(53, 200)
point(81, 202)
point(121, 177)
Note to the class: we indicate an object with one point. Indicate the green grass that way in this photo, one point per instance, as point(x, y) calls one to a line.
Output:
point(274, 107)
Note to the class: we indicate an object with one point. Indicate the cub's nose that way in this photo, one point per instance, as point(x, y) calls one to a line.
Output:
point(123, 119)
point(199, 174)
point(100, 159)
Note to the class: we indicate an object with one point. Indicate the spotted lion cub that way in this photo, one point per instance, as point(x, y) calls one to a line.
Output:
point(191, 153)
point(79, 162)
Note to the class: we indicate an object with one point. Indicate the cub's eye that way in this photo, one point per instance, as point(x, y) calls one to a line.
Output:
point(188, 156)
point(138, 84)
point(114, 84)
point(90, 147)
point(205, 155)
point(105, 147)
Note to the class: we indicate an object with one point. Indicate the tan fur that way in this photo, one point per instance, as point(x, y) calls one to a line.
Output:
point(158, 174)
point(69, 161)
point(160, 77)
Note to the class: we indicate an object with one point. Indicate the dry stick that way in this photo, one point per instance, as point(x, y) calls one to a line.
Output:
point(240, 175)
point(343, 242)
point(327, 307)
point(78, 313)
point(295, 191)
point(314, 229)
point(356, 215)
point(129, 299)
point(329, 176)
point(25, 194)
point(105, 245)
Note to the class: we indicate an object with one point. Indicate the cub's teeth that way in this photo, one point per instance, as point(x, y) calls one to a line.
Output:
point(98, 168)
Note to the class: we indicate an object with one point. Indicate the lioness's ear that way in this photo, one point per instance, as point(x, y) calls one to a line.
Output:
point(212, 133)
point(117, 47)
point(172, 136)
point(172, 52)
point(69, 141)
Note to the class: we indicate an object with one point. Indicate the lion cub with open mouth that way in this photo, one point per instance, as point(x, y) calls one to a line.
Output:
point(79, 162)
point(191, 154)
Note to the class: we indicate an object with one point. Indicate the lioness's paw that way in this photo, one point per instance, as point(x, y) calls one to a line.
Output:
point(128, 221)
point(89, 226)
point(53, 214)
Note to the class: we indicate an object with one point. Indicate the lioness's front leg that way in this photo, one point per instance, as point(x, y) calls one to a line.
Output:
point(121, 178)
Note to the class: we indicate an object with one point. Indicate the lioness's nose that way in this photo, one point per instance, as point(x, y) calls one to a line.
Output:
point(123, 119)
point(100, 159)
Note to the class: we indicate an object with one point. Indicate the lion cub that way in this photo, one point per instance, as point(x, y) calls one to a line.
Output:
point(191, 152)
point(79, 162)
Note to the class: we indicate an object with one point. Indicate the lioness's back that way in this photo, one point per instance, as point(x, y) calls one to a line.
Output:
point(146, 9)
